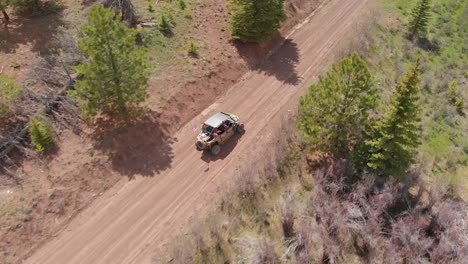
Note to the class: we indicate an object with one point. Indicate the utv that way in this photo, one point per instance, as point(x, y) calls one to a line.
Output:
point(217, 130)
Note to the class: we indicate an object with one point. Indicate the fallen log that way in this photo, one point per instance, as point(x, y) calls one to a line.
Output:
point(8, 145)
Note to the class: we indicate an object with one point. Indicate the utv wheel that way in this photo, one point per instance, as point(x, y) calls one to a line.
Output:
point(240, 128)
point(215, 150)
point(199, 145)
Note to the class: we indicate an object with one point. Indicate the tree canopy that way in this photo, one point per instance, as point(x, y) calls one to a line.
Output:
point(114, 77)
point(420, 18)
point(334, 111)
point(256, 20)
point(394, 139)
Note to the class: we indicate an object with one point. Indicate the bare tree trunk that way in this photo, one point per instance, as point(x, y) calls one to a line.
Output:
point(6, 16)
point(124, 7)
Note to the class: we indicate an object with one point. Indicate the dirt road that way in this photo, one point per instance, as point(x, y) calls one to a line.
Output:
point(129, 223)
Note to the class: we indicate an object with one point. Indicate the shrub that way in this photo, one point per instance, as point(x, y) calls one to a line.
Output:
point(9, 91)
point(150, 7)
point(188, 13)
point(453, 92)
point(14, 65)
point(182, 4)
point(459, 103)
point(165, 25)
point(41, 135)
point(287, 222)
point(193, 49)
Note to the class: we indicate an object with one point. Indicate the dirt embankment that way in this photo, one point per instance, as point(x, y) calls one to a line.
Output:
point(56, 188)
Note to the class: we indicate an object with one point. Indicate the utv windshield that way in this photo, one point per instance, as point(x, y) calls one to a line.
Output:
point(207, 129)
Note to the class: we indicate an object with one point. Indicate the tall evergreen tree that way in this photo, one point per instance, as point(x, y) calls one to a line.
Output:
point(256, 20)
point(420, 18)
point(336, 109)
point(394, 139)
point(114, 77)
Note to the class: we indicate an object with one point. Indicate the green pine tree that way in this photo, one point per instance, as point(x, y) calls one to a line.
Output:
point(335, 111)
point(420, 18)
point(165, 25)
point(256, 20)
point(394, 139)
point(114, 78)
point(41, 135)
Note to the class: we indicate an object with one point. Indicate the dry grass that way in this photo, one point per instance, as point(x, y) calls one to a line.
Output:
point(313, 215)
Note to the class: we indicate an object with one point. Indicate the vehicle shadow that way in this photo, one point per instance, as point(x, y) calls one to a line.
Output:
point(281, 64)
point(226, 149)
point(135, 146)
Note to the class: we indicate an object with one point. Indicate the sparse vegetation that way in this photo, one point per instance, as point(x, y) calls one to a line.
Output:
point(114, 78)
point(193, 49)
point(150, 7)
point(14, 65)
point(182, 4)
point(364, 222)
point(9, 91)
point(443, 67)
point(165, 25)
point(459, 104)
point(256, 20)
point(42, 136)
point(453, 93)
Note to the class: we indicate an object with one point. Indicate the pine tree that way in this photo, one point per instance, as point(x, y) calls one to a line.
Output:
point(114, 77)
point(165, 25)
point(41, 135)
point(394, 139)
point(420, 18)
point(256, 20)
point(335, 111)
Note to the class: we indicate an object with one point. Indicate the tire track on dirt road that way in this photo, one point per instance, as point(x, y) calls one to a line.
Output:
point(137, 218)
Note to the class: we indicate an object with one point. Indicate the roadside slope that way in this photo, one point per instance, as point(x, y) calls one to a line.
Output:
point(136, 218)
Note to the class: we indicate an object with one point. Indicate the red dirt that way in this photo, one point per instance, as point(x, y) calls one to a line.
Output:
point(229, 60)
point(130, 222)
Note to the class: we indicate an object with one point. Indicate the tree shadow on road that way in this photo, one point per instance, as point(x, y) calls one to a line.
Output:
point(282, 64)
point(135, 146)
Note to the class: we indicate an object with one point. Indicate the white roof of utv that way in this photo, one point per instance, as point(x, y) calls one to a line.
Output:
point(217, 119)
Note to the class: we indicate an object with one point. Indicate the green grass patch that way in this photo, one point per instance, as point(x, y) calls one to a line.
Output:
point(165, 47)
point(443, 55)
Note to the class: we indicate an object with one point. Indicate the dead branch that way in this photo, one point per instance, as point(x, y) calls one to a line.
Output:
point(50, 107)
point(11, 174)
